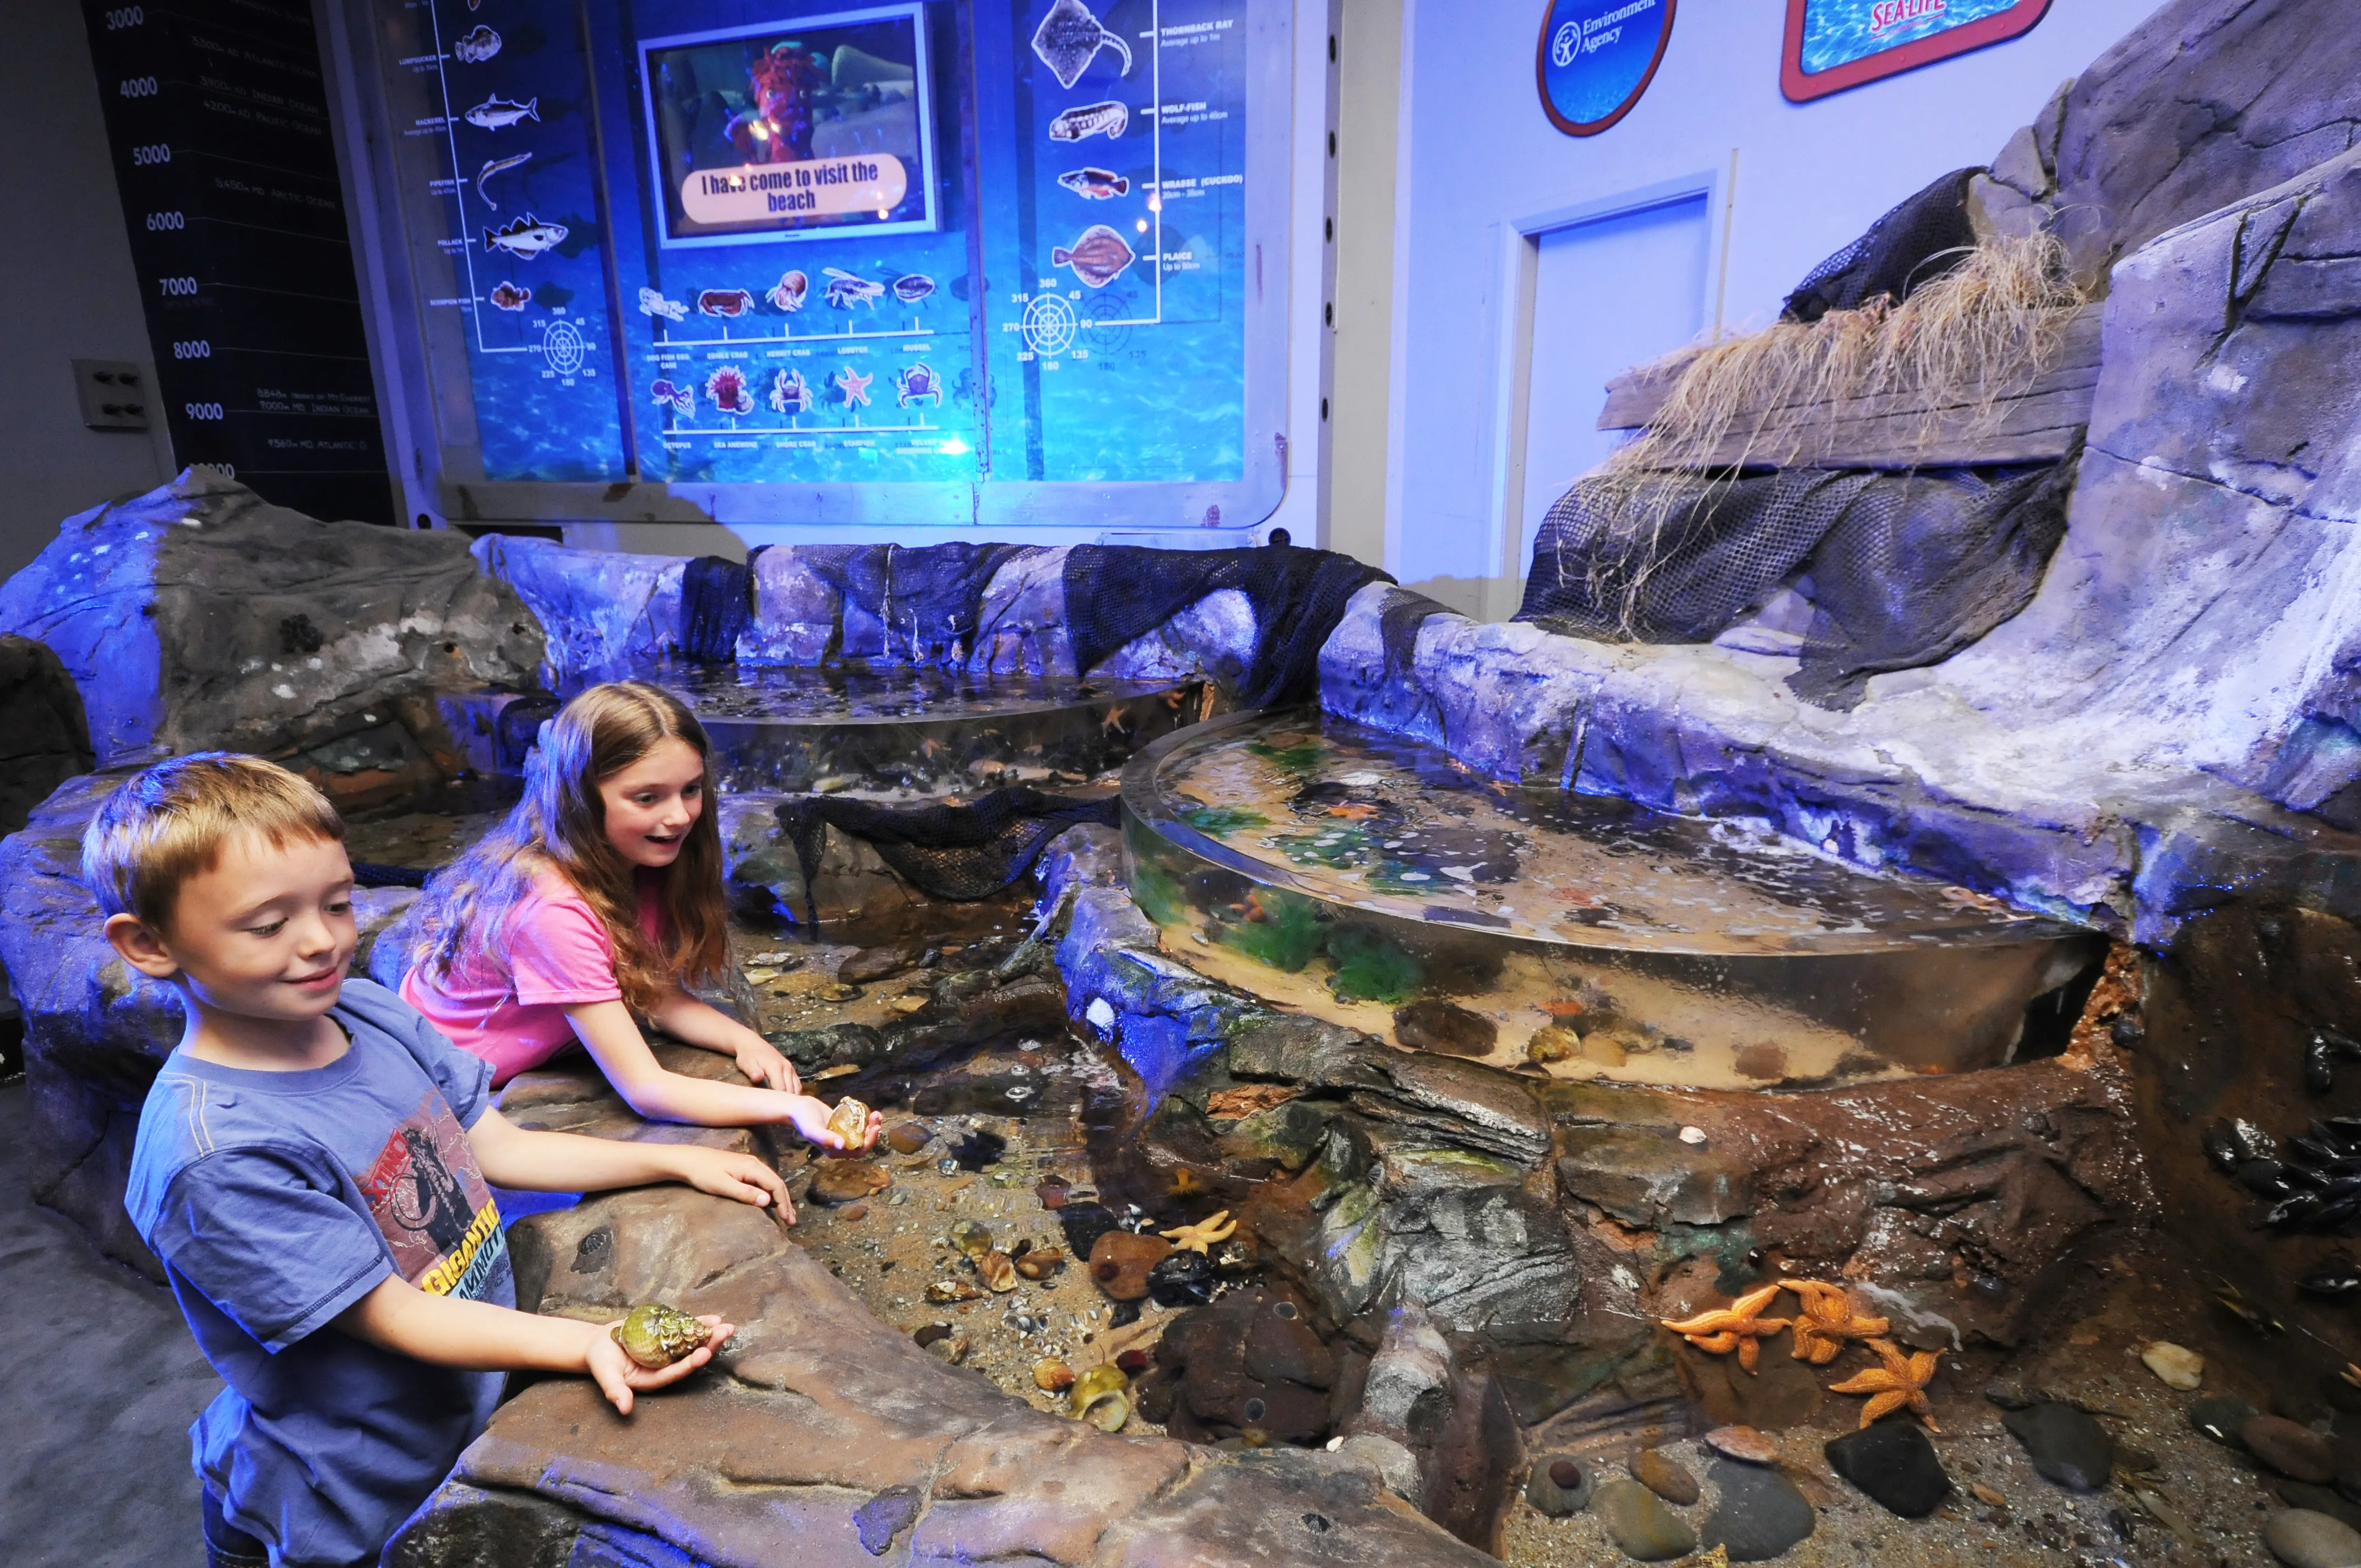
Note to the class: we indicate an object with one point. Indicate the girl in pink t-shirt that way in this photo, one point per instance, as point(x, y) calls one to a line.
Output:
point(590, 907)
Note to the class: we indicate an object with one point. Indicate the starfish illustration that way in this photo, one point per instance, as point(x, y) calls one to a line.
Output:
point(1828, 1321)
point(1898, 1385)
point(1735, 1327)
point(1201, 1235)
point(854, 386)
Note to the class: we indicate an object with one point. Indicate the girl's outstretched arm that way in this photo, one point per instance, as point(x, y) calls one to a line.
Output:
point(686, 1018)
point(612, 1037)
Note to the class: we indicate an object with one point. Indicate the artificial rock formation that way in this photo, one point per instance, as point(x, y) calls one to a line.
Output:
point(1542, 1223)
point(2137, 739)
point(821, 1434)
point(200, 615)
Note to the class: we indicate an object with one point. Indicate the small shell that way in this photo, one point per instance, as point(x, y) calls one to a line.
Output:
point(996, 1270)
point(1553, 1042)
point(1041, 1262)
point(656, 1335)
point(972, 1239)
point(1109, 1411)
point(945, 1292)
point(1101, 1380)
point(849, 1120)
point(1052, 1377)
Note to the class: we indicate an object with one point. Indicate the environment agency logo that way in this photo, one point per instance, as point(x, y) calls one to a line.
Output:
point(1596, 56)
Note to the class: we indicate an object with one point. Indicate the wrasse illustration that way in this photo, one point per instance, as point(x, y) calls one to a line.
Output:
point(510, 296)
point(525, 238)
point(1086, 120)
point(497, 166)
point(1095, 185)
point(497, 114)
point(654, 304)
point(1098, 257)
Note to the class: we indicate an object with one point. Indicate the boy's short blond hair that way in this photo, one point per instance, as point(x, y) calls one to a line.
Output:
point(170, 822)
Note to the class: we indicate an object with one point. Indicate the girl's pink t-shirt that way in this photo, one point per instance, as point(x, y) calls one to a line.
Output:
point(508, 1006)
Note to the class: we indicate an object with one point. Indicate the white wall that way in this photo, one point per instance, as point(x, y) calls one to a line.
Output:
point(1480, 158)
point(67, 290)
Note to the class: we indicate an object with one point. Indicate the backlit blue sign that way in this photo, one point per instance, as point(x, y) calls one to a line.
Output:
point(1594, 59)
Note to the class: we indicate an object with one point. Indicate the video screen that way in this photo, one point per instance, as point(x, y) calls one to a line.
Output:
point(792, 129)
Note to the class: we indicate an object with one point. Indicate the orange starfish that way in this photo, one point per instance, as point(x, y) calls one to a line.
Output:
point(1735, 1327)
point(1353, 811)
point(1899, 1384)
point(1828, 1320)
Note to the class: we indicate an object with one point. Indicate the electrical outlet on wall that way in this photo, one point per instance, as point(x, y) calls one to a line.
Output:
point(115, 394)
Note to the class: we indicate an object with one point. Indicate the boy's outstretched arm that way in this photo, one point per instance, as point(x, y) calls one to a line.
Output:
point(479, 1337)
point(510, 1155)
point(612, 1037)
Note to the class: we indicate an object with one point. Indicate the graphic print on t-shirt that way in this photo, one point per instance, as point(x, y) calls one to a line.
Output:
point(432, 1205)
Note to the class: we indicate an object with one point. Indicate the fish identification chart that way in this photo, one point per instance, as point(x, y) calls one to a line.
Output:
point(1114, 239)
point(498, 145)
point(798, 307)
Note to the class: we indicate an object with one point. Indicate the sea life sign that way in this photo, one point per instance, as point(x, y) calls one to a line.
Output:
point(1596, 56)
point(1835, 44)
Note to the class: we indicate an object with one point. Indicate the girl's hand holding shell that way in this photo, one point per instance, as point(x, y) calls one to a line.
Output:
point(814, 1120)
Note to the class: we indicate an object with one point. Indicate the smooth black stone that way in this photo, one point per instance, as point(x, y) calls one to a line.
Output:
point(1761, 1514)
point(1894, 1463)
point(2219, 1417)
point(2065, 1445)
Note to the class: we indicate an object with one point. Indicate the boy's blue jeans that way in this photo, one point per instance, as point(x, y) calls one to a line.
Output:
point(226, 1546)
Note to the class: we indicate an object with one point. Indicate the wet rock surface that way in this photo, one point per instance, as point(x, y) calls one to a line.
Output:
point(1761, 1513)
point(1895, 1465)
point(1639, 1524)
point(2302, 1538)
point(2064, 1445)
point(200, 615)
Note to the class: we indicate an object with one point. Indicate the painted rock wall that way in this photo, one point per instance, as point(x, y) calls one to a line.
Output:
point(199, 616)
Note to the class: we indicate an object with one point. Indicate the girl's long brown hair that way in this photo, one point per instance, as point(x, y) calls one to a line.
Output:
point(561, 825)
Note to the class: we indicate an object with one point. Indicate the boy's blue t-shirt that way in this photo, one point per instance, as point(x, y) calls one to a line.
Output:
point(275, 1201)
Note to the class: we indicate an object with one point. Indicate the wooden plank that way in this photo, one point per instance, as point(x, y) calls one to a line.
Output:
point(2034, 422)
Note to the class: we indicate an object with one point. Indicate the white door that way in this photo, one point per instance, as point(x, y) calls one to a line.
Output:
point(1608, 294)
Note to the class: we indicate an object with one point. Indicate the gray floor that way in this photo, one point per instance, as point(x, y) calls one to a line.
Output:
point(101, 1381)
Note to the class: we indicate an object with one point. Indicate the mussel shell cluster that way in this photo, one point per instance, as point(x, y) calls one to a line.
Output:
point(2313, 1184)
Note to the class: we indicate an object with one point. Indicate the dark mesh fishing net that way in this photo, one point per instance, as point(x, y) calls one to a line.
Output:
point(1906, 569)
point(958, 852)
point(717, 604)
point(1115, 593)
point(1913, 245)
point(919, 604)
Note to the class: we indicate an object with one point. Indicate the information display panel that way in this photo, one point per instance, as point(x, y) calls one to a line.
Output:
point(1000, 263)
point(792, 129)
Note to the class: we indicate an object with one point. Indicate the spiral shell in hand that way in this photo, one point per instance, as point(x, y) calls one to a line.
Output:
point(849, 1120)
point(656, 1335)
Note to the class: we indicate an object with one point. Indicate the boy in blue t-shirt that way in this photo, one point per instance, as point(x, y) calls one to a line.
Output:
point(313, 1167)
